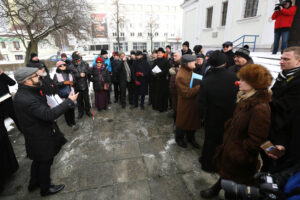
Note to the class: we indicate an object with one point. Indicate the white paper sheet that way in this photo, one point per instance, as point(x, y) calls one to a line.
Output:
point(53, 101)
point(156, 69)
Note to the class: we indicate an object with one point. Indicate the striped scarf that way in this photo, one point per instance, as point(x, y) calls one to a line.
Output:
point(284, 75)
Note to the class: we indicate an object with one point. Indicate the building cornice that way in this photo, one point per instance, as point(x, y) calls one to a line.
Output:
point(188, 3)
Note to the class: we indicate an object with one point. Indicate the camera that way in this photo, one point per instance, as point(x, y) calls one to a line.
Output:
point(281, 3)
point(266, 189)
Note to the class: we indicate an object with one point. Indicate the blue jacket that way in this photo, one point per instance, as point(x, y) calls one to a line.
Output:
point(106, 61)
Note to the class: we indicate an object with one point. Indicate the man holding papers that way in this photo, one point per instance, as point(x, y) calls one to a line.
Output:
point(187, 120)
point(160, 85)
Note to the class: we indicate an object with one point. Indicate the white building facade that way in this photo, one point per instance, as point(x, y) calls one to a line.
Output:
point(134, 31)
point(211, 23)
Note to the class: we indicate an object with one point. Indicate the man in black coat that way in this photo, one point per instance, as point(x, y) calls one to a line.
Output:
point(131, 84)
point(115, 64)
point(81, 72)
point(9, 163)
point(216, 105)
point(160, 84)
point(285, 100)
point(186, 48)
point(125, 77)
point(241, 59)
point(227, 50)
point(43, 139)
point(140, 76)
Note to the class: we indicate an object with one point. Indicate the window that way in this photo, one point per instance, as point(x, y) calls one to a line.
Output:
point(140, 34)
point(98, 47)
point(132, 34)
point(122, 34)
point(19, 57)
point(3, 45)
point(17, 45)
point(251, 8)
point(156, 34)
point(156, 45)
point(114, 34)
point(123, 46)
point(224, 13)
point(121, 25)
point(140, 46)
point(149, 34)
point(209, 17)
point(166, 34)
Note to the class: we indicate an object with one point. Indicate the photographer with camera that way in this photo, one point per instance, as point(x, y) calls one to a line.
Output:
point(283, 16)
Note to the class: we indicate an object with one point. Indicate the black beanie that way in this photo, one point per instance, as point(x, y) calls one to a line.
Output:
point(32, 55)
point(103, 52)
point(186, 43)
point(197, 49)
point(217, 58)
point(243, 52)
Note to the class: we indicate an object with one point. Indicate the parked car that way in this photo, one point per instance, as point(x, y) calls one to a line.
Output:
point(56, 58)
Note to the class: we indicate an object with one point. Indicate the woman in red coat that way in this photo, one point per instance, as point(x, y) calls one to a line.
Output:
point(237, 158)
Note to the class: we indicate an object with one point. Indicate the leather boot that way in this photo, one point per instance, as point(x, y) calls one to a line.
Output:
point(53, 189)
point(179, 138)
point(80, 115)
point(191, 138)
point(212, 191)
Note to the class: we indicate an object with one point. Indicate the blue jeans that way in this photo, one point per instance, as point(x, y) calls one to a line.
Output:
point(285, 37)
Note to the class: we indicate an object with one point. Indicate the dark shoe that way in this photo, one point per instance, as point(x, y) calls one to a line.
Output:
point(142, 107)
point(212, 191)
point(89, 114)
point(80, 115)
point(133, 107)
point(33, 187)
point(181, 143)
point(192, 140)
point(53, 189)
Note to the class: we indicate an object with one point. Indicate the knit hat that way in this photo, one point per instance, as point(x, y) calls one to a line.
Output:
point(63, 55)
point(23, 73)
point(59, 63)
point(138, 53)
point(186, 43)
point(186, 58)
point(256, 75)
point(217, 58)
point(161, 50)
point(197, 49)
point(116, 53)
point(228, 43)
point(76, 57)
point(99, 59)
point(209, 53)
point(103, 52)
point(132, 52)
point(32, 55)
point(243, 52)
point(168, 46)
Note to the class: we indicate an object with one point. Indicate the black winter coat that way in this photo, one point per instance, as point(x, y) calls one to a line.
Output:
point(99, 79)
point(216, 105)
point(5, 81)
point(141, 66)
point(114, 68)
point(43, 139)
point(285, 98)
point(236, 68)
point(122, 74)
point(189, 51)
point(81, 82)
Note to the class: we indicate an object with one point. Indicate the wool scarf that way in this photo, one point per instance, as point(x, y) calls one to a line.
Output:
point(284, 75)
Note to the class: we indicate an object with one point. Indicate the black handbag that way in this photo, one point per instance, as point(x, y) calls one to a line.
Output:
point(64, 91)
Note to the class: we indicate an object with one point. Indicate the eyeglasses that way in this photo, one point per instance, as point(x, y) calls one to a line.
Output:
point(62, 65)
point(36, 75)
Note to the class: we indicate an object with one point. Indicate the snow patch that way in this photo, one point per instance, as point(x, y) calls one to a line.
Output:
point(106, 144)
point(169, 143)
point(8, 124)
point(149, 155)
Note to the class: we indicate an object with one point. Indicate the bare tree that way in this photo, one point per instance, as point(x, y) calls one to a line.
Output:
point(34, 20)
point(152, 27)
point(117, 20)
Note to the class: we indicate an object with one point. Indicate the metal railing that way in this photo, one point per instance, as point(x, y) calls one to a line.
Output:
point(242, 41)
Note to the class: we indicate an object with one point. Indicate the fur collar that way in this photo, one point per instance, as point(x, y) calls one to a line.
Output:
point(253, 97)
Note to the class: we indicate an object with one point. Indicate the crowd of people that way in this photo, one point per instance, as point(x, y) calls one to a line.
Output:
point(231, 101)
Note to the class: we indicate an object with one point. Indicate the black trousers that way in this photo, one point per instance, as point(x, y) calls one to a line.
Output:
point(123, 92)
point(70, 117)
point(7, 110)
point(130, 88)
point(116, 91)
point(40, 174)
point(83, 101)
point(136, 100)
point(180, 134)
